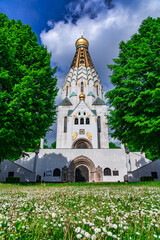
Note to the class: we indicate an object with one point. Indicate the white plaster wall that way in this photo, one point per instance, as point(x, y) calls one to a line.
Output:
point(24, 174)
point(144, 171)
point(91, 128)
point(61, 140)
point(115, 159)
point(102, 112)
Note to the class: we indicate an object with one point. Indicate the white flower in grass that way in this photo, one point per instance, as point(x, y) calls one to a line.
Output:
point(93, 237)
point(59, 225)
point(44, 226)
point(155, 236)
point(137, 233)
point(114, 236)
point(53, 215)
point(78, 229)
point(104, 229)
point(87, 235)
point(97, 230)
point(79, 236)
point(109, 233)
point(82, 231)
point(114, 226)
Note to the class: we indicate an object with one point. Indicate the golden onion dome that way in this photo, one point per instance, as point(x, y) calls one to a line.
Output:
point(82, 96)
point(82, 41)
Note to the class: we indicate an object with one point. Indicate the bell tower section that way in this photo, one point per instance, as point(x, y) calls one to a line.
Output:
point(82, 112)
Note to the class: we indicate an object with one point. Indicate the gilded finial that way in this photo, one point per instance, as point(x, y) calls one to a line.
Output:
point(82, 96)
point(82, 33)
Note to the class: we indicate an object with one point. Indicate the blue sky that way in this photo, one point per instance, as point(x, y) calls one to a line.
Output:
point(58, 25)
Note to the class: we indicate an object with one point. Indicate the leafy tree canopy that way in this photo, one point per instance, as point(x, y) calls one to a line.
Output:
point(135, 100)
point(27, 88)
point(113, 145)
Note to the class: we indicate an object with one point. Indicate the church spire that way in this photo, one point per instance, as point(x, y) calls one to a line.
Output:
point(82, 57)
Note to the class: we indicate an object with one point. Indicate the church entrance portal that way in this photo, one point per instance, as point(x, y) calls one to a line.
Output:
point(82, 169)
point(82, 174)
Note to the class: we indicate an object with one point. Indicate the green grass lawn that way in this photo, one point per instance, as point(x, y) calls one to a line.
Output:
point(80, 211)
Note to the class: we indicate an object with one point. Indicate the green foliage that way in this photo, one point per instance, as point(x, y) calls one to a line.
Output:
point(147, 179)
point(12, 180)
point(112, 145)
point(45, 146)
point(135, 100)
point(53, 145)
point(27, 89)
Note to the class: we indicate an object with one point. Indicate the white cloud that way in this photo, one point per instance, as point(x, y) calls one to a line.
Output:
point(104, 34)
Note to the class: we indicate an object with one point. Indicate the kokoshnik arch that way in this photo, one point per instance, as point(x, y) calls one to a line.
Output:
point(82, 153)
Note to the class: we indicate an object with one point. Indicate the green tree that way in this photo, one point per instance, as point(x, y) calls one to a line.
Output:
point(135, 100)
point(53, 145)
point(113, 145)
point(27, 89)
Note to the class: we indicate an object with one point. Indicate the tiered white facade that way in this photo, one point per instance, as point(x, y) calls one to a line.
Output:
point(82, 112)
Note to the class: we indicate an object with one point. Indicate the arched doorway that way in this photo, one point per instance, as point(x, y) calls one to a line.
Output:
point(82, 169)
point(81, 174)
point(82, 143)
point(82, 166)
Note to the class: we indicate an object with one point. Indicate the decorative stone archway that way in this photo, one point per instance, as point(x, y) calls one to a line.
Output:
point(82, 143)
point(94, 174)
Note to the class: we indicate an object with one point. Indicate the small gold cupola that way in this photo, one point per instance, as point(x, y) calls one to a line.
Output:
point(82, 96)
point(82, 57)
point(82, 42)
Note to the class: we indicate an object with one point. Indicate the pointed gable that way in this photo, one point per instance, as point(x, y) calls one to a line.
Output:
point(65, 102)
point(98, 101)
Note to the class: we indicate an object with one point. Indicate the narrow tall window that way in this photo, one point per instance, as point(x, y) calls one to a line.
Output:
point(66, 91)
point(76, 121)
point(99, 124)
point(107, 172)
point(82, 121)
point(97, 90)
point(65, 124)
point(81, 86)
point(87, 121)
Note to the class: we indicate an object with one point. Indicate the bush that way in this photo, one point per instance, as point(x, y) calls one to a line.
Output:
point(147, 179)
point(12, 180)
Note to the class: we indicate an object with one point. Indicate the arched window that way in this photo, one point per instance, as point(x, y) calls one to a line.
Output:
point(107, 172)
point(87, 121)
point(97, 90)
point(84, 113)
point(66, 91)
point(56, 172)
point(76, 121)
point(79, 113)
point(65, 124)
point(82, 121)
point(99, 124)
point(81, 86)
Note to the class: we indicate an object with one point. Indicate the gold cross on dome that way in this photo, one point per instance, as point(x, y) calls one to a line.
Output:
point(82, 31)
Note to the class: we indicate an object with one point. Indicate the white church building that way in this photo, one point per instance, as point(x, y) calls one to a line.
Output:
point(82, 151)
